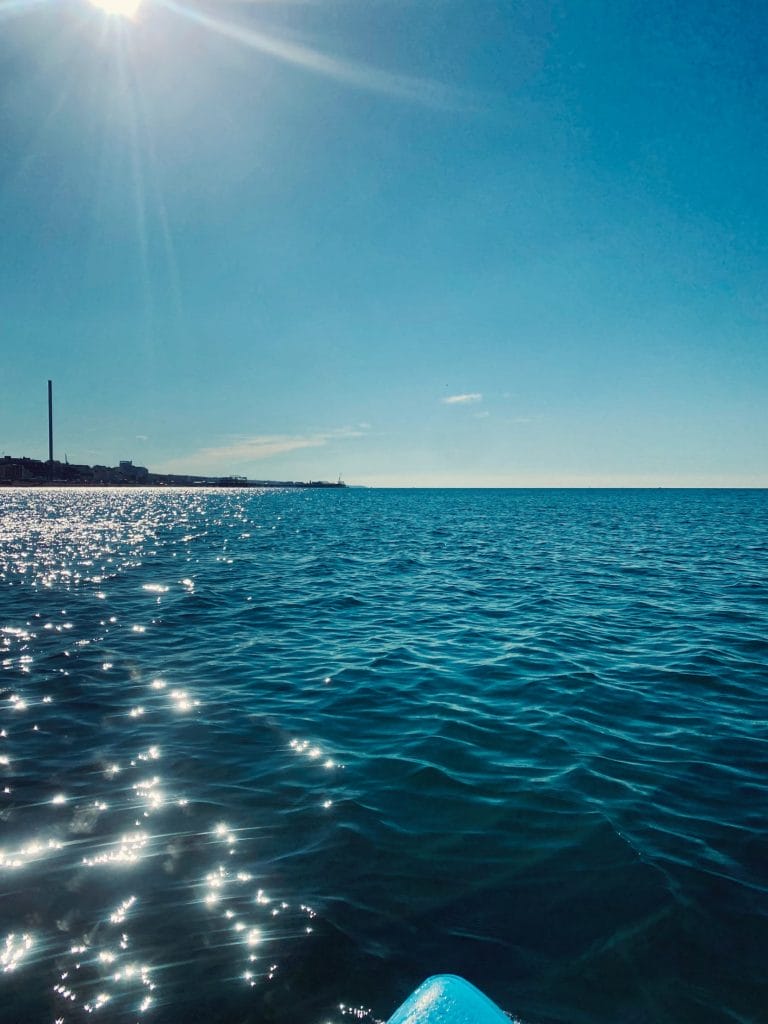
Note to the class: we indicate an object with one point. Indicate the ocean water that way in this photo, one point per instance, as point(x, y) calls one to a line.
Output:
point(279, 755)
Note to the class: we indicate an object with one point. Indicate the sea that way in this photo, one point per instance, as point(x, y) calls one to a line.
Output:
point(280, 755)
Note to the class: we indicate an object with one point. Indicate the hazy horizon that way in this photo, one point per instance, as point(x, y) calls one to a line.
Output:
point(412, 245)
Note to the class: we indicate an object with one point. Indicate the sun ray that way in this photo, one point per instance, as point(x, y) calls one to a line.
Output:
point(153, 176)
point(120, 8)
point(11, 8)
point(138, 183)
point(402, 87)
point(35, 147)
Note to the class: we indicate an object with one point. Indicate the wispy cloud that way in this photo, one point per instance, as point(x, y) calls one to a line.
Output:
point(241, 450)
point(473, 396)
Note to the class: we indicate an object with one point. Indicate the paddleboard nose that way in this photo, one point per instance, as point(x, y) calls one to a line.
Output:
point(448, 999)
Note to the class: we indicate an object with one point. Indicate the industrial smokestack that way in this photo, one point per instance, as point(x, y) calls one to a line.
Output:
point(50, 421)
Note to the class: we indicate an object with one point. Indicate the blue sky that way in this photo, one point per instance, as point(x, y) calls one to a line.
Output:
point(415, 243)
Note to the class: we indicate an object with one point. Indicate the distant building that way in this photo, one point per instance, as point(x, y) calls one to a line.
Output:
point(131, 472)
point(24, 472)
point(14, 470)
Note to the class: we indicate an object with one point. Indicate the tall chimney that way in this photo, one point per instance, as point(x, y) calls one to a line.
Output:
point(50, 421)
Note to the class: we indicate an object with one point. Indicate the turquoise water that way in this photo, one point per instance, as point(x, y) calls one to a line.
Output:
point(278, 756)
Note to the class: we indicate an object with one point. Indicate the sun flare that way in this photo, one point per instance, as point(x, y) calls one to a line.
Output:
point(122, 8)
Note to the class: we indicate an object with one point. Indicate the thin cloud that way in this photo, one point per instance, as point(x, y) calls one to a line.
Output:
point(473, 396)
point(254, 449)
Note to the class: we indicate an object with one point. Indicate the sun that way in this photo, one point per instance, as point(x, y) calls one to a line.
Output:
point(121, 8)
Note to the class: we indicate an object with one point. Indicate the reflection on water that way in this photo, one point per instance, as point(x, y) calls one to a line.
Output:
point(277, 756)
point(24, 855)
point(16, 949)
point(136, 876)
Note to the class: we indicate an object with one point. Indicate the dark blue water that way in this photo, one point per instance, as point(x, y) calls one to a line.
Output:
point(278, 756)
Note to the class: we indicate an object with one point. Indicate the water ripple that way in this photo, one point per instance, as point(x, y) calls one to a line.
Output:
point(279, 755)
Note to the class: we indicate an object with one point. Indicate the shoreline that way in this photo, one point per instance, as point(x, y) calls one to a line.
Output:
point(25, 472)
point(160, 484)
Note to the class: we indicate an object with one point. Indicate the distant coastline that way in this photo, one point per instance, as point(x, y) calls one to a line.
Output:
point(25, 472)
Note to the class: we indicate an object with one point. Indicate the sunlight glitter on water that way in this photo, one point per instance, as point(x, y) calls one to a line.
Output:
point(30, 852)
point(225, 834)
point(128, 849)
point(15, 949)
point(313, 752)
point(119, 915)
point(182, 700)
point(150, 793)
